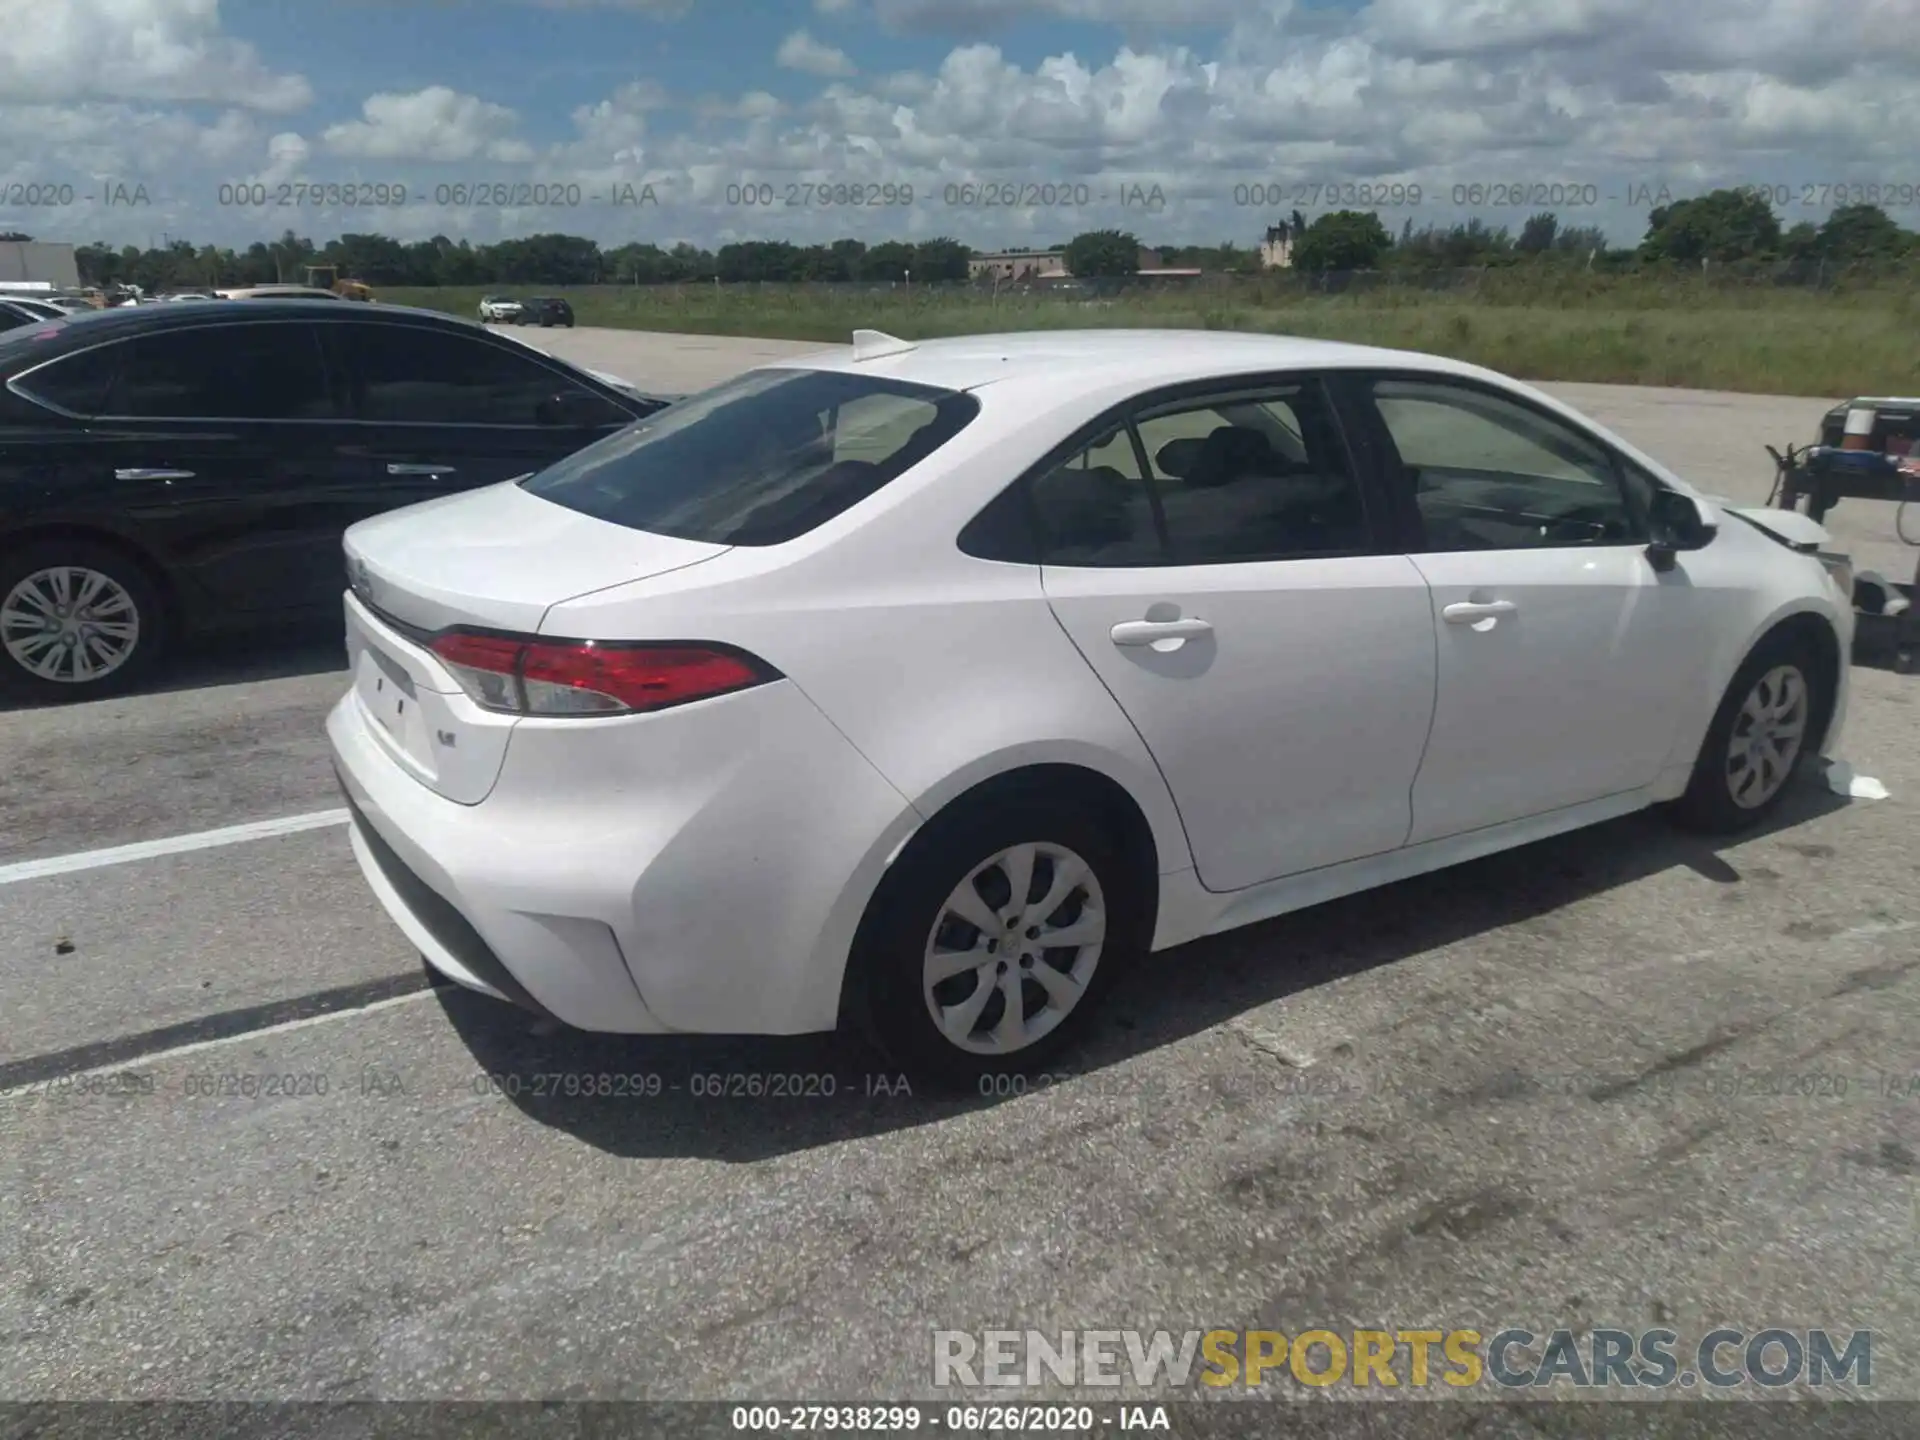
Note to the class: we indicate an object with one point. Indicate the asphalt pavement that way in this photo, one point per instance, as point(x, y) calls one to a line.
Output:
point(1623, 1078)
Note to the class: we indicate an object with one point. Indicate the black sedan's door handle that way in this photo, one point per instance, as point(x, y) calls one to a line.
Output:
point(396, 468)
point(138, 472)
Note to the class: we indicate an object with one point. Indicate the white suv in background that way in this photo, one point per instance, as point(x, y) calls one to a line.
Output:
point(498, 310)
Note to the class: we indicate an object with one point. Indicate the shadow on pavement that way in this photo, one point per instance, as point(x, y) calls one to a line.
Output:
point(748, 1098)
point(305, 647)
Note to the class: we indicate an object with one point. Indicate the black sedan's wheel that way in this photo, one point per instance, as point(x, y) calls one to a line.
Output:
point(77, 621)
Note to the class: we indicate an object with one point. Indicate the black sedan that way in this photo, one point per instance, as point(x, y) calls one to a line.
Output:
point(545, 310)
point(169, 470)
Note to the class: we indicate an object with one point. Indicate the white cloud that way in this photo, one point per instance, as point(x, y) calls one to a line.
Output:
point(800, 51)
point(660, 9)
point(135, 50)
point(1610, 94)
point(435, 124)
point(974, 17)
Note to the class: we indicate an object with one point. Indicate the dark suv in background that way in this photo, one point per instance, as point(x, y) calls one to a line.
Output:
point(190, 468)
point(545, 310)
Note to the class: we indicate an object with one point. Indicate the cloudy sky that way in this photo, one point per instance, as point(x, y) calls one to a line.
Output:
point(1000, 122)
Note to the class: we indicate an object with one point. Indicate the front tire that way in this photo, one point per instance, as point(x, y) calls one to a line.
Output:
point(993, 941)
point(1763, 729)
point(78, 621)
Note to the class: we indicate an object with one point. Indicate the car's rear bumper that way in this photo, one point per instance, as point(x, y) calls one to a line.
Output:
point(697, 870)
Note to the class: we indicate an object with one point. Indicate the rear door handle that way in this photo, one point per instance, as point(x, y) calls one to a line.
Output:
point(1469, 611)
point(399, 469)
point(1146, 632)
point(136, 472)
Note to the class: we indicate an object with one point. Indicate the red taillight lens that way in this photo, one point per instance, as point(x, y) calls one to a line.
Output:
point(487, 667)
point(542, 677)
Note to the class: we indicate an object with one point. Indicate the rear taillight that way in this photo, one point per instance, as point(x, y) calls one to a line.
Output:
point(518, 676)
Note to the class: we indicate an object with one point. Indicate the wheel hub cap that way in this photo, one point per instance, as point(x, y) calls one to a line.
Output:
point(1768, 731)
point(1013, 949)
point(69, 624)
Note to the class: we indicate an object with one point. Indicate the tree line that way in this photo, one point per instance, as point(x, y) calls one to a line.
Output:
point(1723, 227)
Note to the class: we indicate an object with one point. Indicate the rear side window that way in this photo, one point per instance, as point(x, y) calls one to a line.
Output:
point(413, 374)
point(76, 384)
point(225, 372)
point(760, 460)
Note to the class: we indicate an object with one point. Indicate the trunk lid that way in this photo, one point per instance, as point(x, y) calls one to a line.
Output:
point(492, 559)
point(499, 559)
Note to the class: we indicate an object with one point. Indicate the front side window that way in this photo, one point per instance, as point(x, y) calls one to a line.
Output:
point(1488, 473)
point(227, 372)
point(409, 374)
point(760, 460)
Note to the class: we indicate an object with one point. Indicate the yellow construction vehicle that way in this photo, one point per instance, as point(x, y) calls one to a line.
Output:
point(327, 277)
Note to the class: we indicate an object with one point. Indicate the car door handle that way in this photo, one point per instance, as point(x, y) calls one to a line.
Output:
point(399, 469)
point(137, 472)
point(1468, 611)
point(1146, 632)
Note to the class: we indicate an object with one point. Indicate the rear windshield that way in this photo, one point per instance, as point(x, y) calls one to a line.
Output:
point(761, 459)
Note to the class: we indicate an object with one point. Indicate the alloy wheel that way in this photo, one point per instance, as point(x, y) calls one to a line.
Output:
point(1768, 731)
point(1014, 948)
point(69, 624)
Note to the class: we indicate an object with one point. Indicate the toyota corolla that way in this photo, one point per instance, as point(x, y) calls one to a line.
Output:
point(926, 687)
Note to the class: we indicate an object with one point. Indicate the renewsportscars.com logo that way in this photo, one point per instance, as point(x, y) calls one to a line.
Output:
point(1512, 1358)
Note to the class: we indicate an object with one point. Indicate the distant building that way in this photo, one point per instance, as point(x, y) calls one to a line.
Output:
point(1019, 265)
point(1028, 265)
point(1276, 251)
point(28, 262)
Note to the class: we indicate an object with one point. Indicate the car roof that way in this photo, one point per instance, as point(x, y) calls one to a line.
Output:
point(97, 327)
point(1095, 360)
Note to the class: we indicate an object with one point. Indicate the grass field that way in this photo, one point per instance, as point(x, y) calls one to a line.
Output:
point(1750, 337)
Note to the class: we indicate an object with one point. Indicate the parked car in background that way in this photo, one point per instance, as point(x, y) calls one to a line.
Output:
point(180, 469)
point(546, 310)
point(498, 310)
point(924, 688)
point(15, 313)
point(42, 309)
point(276, 292)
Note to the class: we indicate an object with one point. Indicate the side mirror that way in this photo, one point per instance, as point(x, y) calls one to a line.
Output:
point(1678, 522)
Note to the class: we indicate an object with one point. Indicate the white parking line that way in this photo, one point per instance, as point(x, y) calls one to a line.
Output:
point(141, 1062)
point(172, 845)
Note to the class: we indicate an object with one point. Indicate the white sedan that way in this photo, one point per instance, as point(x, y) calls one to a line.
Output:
point(927, 687)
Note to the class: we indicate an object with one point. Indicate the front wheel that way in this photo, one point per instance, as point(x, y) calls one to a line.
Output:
point(1758, 738)
point(993, 941)
point(77, 621)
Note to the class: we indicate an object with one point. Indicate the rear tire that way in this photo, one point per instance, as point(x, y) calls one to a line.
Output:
point(111, 636)
point(970, 859)
point(1767, 724)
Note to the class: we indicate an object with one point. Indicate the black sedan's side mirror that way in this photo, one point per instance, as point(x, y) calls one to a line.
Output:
point(1677, 523)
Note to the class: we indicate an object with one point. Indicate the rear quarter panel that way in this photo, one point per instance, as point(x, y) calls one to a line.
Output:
point(942, 669)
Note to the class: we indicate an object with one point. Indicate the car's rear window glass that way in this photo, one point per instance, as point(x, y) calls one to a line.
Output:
point(761, 459)
point(76, 383)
